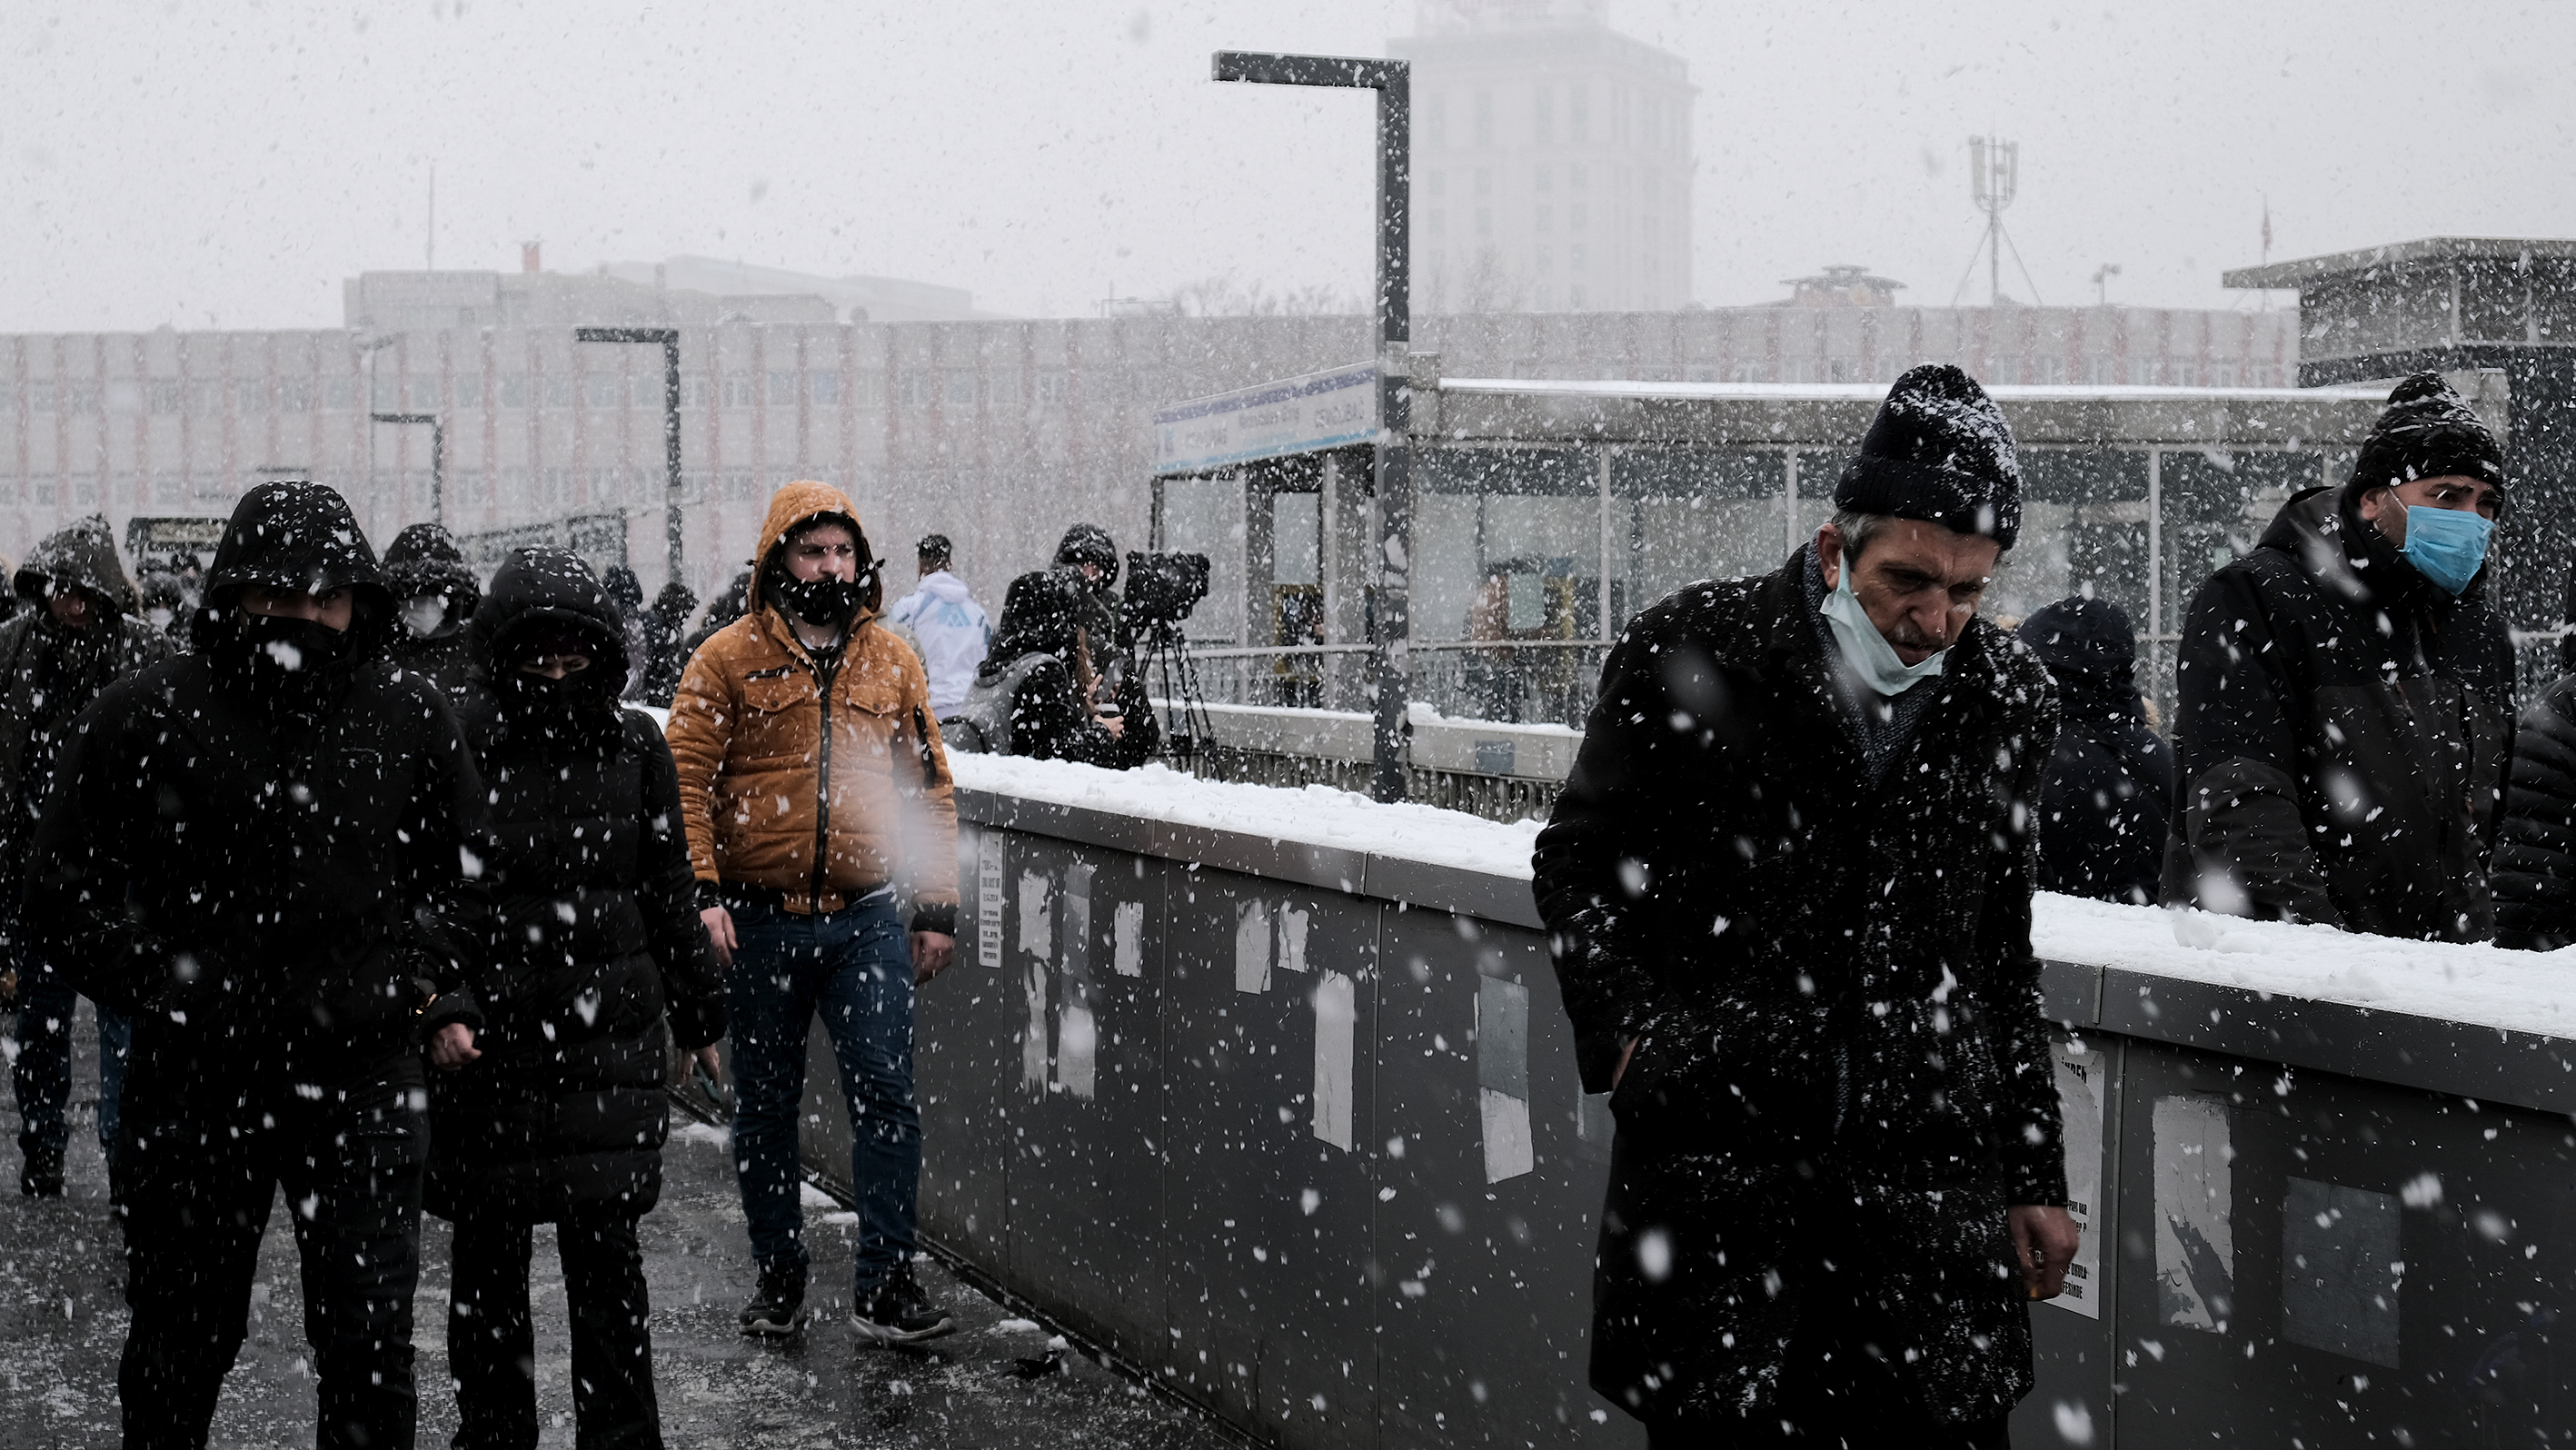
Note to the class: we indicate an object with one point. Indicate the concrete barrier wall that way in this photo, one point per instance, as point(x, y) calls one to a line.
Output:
point(1297, 1128)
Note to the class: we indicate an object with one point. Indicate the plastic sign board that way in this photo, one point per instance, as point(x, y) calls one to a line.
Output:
point(1296, 415)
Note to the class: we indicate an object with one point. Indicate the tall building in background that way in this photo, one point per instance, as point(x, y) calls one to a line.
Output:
point(1551, 161)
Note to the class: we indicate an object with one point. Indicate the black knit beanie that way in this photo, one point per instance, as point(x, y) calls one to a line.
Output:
point(2427, 432)
point(1940, 451)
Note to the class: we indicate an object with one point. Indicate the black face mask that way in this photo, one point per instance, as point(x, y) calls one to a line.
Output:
point(822, 601)
point(538, 693)
point(282, 646)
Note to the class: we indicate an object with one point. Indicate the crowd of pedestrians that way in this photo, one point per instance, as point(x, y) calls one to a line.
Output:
point(386, 899)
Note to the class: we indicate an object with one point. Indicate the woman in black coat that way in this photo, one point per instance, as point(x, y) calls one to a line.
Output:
point(597, 962)
point(1032, 694)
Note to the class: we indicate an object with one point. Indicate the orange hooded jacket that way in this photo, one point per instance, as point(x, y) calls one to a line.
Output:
point(808, 796)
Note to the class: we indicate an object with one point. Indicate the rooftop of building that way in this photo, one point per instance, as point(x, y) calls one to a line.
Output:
point(2427, 251)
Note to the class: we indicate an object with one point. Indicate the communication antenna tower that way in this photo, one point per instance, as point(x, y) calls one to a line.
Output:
point(1994, 179)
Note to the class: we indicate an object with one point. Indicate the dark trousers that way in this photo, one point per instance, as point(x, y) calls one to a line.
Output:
point(194, 1176)
point(1844, 1388)
point(42, 1075)
point(491, 1347)
point(854, 968)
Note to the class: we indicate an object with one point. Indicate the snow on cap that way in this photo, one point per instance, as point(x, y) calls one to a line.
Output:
point(1940, 451)
point(2427, 432)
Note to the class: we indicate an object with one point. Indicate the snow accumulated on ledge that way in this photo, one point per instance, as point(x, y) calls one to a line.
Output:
point(1314, 816)
point(2478, 985)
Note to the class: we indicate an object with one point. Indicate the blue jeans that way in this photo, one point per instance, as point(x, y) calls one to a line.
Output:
point(854, 966)
point(42, 1075)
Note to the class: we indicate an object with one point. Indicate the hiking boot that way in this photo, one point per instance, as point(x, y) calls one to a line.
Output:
point(42, 1176)
point(778, 1308)
point(899, 1313)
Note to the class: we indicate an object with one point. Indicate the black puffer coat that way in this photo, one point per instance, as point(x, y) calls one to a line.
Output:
point(2535, 855)
point(595, 939)
point(2344, 735)
point(1840, 1053)
point(2104, 810)
point(259, 864)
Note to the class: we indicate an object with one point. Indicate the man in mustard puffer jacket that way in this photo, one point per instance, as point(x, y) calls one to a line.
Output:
point(813, 785)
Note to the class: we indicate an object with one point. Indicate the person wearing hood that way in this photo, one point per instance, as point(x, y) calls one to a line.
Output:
point(435, 595)
point(598, 965)
point(2103, 813)
point(266, 853)
point(1033, 697)
point(664, 656)
point(627, 593)
point(80, 633)
point(2347, 695)
point(949, 628)
point(1787, 890)
point(1088, 557)
point(816, 794)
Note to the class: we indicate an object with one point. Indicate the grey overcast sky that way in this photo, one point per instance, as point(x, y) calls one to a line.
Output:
point(226, 164)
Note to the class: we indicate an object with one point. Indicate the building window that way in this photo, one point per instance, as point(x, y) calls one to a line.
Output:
point(737, 390)
point(162, 395)
point(827, 389)
point(1578, 115)
point(559, 390)
point(295, 395)
point(1541, 220)
point(250, 397)
point(469, 392)
point(782, 389)
point(602, 390)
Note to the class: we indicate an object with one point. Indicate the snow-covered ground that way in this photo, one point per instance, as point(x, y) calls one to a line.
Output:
point(2479, 985)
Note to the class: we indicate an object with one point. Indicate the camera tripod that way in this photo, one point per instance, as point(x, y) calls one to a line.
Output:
point(1164, 656)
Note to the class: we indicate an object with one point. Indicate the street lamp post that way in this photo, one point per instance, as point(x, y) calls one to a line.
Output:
point(437, 459)
point(1391, 653)
point(669, 338)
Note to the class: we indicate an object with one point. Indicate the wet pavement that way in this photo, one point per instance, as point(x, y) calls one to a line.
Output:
point(992, 1384)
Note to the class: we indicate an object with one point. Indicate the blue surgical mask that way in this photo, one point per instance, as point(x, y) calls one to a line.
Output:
point(2447, 546)
point(1866, 652)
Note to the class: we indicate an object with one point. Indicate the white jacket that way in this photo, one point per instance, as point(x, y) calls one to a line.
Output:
point(954, 634)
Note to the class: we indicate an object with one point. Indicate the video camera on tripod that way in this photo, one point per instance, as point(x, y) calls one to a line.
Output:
point(1162, 589)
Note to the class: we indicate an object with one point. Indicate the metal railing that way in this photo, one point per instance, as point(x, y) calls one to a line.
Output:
point(1520, 682)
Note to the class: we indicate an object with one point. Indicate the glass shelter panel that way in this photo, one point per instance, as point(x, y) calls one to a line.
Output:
point(2217, 503)
point(2083, 532)
point(1680, 516)
point(1205, 516)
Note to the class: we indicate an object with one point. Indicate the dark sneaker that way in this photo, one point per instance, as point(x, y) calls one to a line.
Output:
point(899, 1313)
point(42, 1176)
point(779, 1306)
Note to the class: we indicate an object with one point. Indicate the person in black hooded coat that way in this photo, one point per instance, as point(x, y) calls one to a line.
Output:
point(436, 594)
point(260, 852)
point(2103, 812)
point(597, 961)
point(1029, 696)
point(2346, 721)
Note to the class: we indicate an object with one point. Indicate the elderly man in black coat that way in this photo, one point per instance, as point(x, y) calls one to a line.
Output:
point(1788, 895)
point(264, 852)
point(2347, 695)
